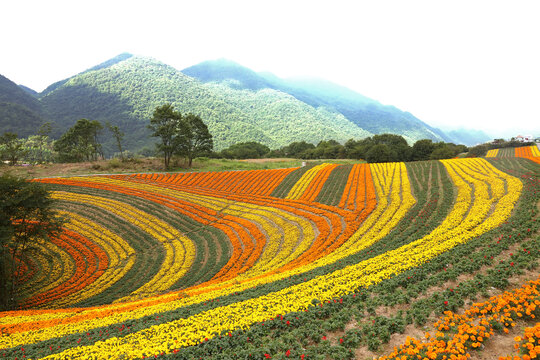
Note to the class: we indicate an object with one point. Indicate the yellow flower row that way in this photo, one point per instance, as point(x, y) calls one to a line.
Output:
point(179, 250)
point(56, 268)
point(467, 214)
point(121, 258)
point(535, 151)
point(301, 185)
point(384, 214)
point(287, 231)
point(492, 153)
point(390, 180)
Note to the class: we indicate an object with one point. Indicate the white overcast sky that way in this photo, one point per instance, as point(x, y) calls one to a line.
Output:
point(473, 64)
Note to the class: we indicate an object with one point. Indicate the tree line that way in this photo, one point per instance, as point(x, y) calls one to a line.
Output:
point(377, 148)
point(178, 135)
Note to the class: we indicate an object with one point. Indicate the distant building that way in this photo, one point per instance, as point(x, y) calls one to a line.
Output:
point(524, 138)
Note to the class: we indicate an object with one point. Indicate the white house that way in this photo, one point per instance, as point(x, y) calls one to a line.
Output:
point(524, 138)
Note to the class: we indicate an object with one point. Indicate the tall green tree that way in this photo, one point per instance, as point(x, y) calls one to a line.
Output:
point(26, 218)
point(297, 149)
point(11, 148)
point(167, 125)
point(196, 139)
point(80, 142)
point(422, 149)
point(379, 153)
point(118, 136)
point(245, 150)
point(42, 140)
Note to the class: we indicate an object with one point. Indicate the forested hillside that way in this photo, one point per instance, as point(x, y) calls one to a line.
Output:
point(237, 104)
point(127, 92)
point(20, 112)
point(366, 113)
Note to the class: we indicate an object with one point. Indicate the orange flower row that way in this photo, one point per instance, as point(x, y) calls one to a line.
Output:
point(327, 241)
point(25, 270)
point(261, 182)
point(317, 183)
point(328, 219)
point(349, 199)
point(457, 334)
point(524, 151)
point(528, 344)
point(534, 158)
point(91, 261)
point(318, 213)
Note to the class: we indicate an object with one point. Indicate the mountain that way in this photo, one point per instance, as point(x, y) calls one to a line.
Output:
point(20, 112)
point(127, 91)
point(223, 70)
point(468, 137)
point(103, 65)
point(366, 113)
point(32, 92)
point(236, 103)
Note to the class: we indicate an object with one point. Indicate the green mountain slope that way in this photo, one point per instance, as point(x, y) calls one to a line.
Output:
point(366, 113)
point(20, 112)
point(126, 93)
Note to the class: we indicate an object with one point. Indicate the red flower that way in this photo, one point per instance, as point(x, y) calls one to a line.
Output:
point(446, 303)
point(287, 353)
point(267, 356)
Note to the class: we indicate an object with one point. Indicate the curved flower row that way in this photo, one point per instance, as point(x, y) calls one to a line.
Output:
point(261, 182)
point(90, 263)
point(179, 249)
point(92, 316)
point(470, 217)
point(494, 194)
point(302, 184)
point(354, 196)
point(120, 257)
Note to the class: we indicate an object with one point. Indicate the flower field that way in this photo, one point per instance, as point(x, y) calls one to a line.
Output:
point(529, 152)
point(314, 262)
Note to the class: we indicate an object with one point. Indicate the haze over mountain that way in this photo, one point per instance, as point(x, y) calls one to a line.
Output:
point(236, 103)
point(366, 113)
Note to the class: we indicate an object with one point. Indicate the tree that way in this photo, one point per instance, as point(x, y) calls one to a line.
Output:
point(167, 124)
point(26, 218)
point(400, 150)
point(379, 153)
point(42, 140)
point(80, 142)
point(245, 150)
point(196, 139)
point(118, 136)
point(442, 152)
point(297, 149)
point(11, 147)
point(422, 149)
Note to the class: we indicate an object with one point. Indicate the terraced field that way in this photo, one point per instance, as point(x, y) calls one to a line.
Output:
point(529, 152)
point(319, 262)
